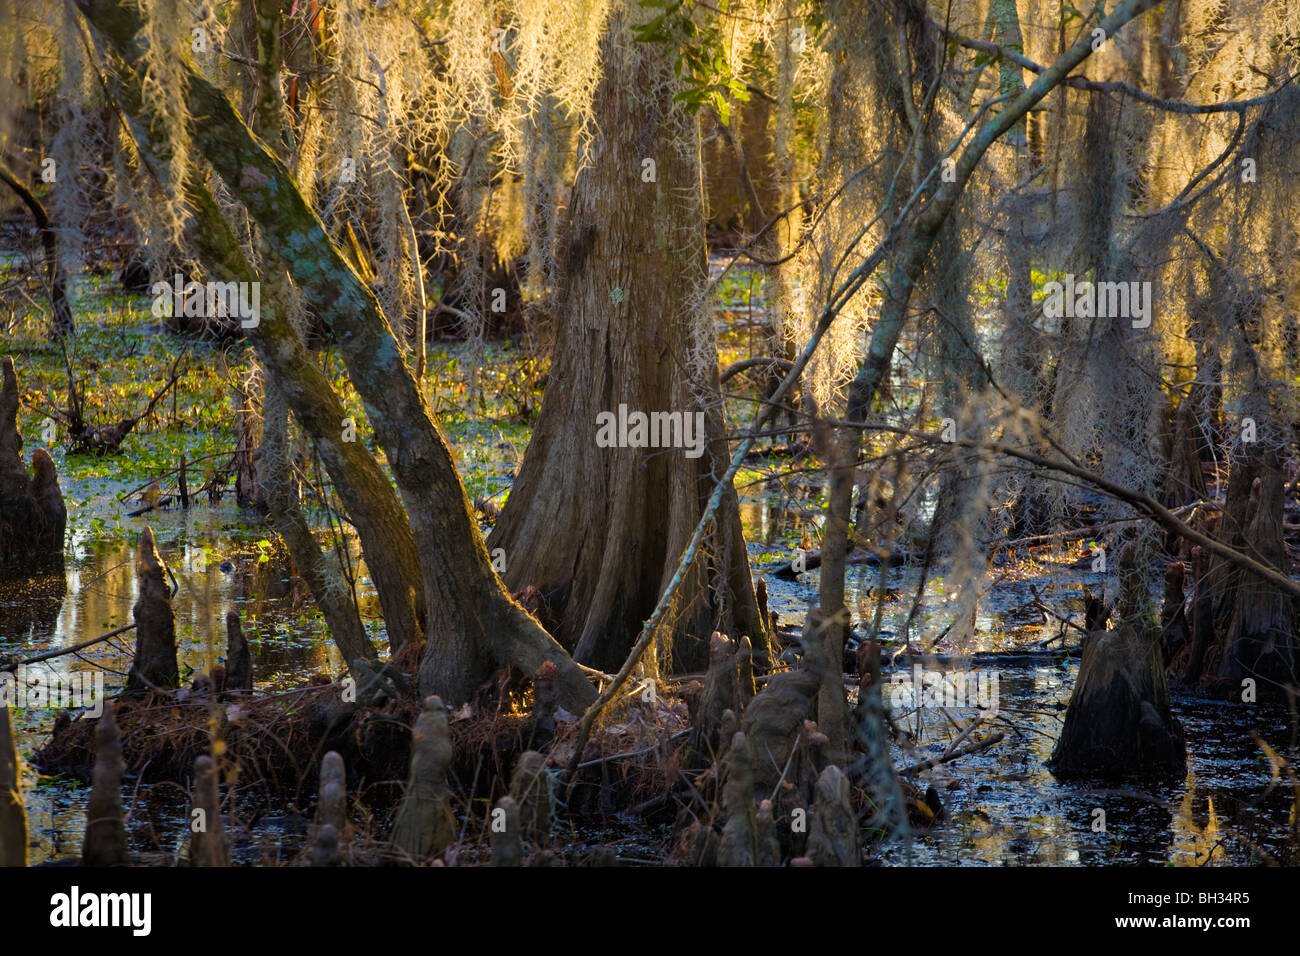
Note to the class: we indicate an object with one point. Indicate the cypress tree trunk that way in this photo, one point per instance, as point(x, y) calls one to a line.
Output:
point(1119, 723)
point(154, 665)
point(13, 814)
point(32, 513)
point(598, 529)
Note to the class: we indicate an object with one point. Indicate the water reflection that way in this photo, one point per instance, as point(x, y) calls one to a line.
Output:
point(1006, 808)
point(217, 565)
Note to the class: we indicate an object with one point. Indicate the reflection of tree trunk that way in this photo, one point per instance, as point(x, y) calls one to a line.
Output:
point(598, 530)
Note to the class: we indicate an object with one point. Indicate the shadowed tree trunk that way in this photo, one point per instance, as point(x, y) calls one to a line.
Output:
point(1244, 627)
point(32, 513)
point(154, 665)
point(1119, 722)
point(598, 529)
point(1260, 640)
point(13, 814)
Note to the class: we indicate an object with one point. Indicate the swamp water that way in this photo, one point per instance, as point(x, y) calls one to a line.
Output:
point(1003, 806)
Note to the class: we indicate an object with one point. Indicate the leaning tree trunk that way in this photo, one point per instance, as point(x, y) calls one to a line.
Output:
point(319, 569)
point(373, 508)
point(907, 260)
point(474, 626)
point(598, 530)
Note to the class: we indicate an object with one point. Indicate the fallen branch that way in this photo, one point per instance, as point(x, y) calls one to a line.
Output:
point(943, 758)
point(644, 751)
point(48, 655)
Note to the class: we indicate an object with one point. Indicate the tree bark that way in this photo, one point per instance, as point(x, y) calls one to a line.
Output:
point(322, 574)
point(32, 513)
point(598, 530)
point(13, 814)
point(374, 510)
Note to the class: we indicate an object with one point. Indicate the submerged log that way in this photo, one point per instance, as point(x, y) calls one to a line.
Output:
point(239, 661)
point(33, 517)
point(105, 840)
point(13, 814)
point(425, 824)
point(208, 844)
point(154, 665)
